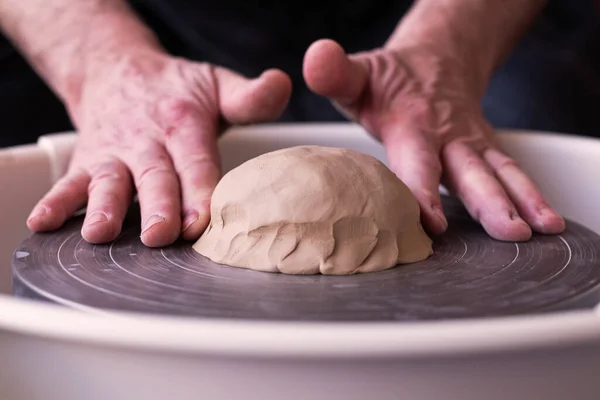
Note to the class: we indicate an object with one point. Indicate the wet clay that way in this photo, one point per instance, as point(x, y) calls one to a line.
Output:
point(314, 209)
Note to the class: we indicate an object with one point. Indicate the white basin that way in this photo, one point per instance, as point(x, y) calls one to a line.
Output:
point(48, 351)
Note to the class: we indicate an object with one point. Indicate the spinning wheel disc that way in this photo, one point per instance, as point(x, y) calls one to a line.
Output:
point(469, 275)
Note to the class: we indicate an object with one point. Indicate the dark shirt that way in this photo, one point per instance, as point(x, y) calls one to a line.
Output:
point(251, 36)
point(550, 82)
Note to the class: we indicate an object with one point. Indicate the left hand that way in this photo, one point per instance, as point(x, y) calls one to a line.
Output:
point(425, 109)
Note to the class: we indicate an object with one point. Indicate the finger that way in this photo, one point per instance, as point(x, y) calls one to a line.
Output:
point(524, 193)
point(68, 195)
point(483, 196)
point(415, 160)
point(329, 72)
point(246, 101)
point(110, 193)
point(193, 148)
point(159, 195)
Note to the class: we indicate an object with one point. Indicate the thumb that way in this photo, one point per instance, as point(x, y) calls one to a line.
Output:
point(246, 101)
point(329, 72)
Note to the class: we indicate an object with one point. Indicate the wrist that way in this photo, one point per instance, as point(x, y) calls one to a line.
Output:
point(440, 31)
point(109, 44)
point(461, 61)
point(66, 40)
point(475, 35)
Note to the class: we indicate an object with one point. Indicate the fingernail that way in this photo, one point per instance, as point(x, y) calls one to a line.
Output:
point(95, 218)
point(513, 215)
point(150, 222)
point(549, 221)
point(38, 212)
point(516, 218)
point(547, 212)
point(442, 219)
point(190, 218)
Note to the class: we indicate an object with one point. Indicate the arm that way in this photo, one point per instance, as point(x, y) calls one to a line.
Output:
point(147, 122)
point(63, 39)
point(476, 34)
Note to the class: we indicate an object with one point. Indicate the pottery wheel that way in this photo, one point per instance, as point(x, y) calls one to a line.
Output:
point(469, 275)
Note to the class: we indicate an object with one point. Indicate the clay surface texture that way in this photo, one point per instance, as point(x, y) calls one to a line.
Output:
point(311, 210)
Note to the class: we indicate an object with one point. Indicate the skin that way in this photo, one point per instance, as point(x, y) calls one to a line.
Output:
point(148, 122)
point(420, 94)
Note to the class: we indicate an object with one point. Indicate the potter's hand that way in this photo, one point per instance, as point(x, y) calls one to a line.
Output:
point(427, 114)
point(150, 122)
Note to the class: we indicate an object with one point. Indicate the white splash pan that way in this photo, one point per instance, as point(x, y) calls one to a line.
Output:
point(48, 351)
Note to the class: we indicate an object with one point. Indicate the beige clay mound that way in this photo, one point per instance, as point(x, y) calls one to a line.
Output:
point(310, 210)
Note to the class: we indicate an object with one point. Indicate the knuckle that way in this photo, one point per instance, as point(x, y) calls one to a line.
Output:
point(112, 197)
point(69, 182)
point(134, 130)
point(427, 196)
point(152, 172)
point(426, 116)
point(109, 169)
point(432, 114)
point(151, 153)
point(132, 69)
point(108, 188)
point(174, 110)
point(108, 175)
point(500, 161)
point(507, 163)
point(168, 207)
point(472, 162)
point(196, 162)
point(150, 164)
point(443, 111)
point(108, 199)
point(432, 164)
point(47, 201)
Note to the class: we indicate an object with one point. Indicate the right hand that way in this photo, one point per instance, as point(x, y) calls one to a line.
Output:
point(151, 122)
point(424, 108)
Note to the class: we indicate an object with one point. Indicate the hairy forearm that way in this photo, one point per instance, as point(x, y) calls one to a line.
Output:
point(478, 34)
point(64, 39)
